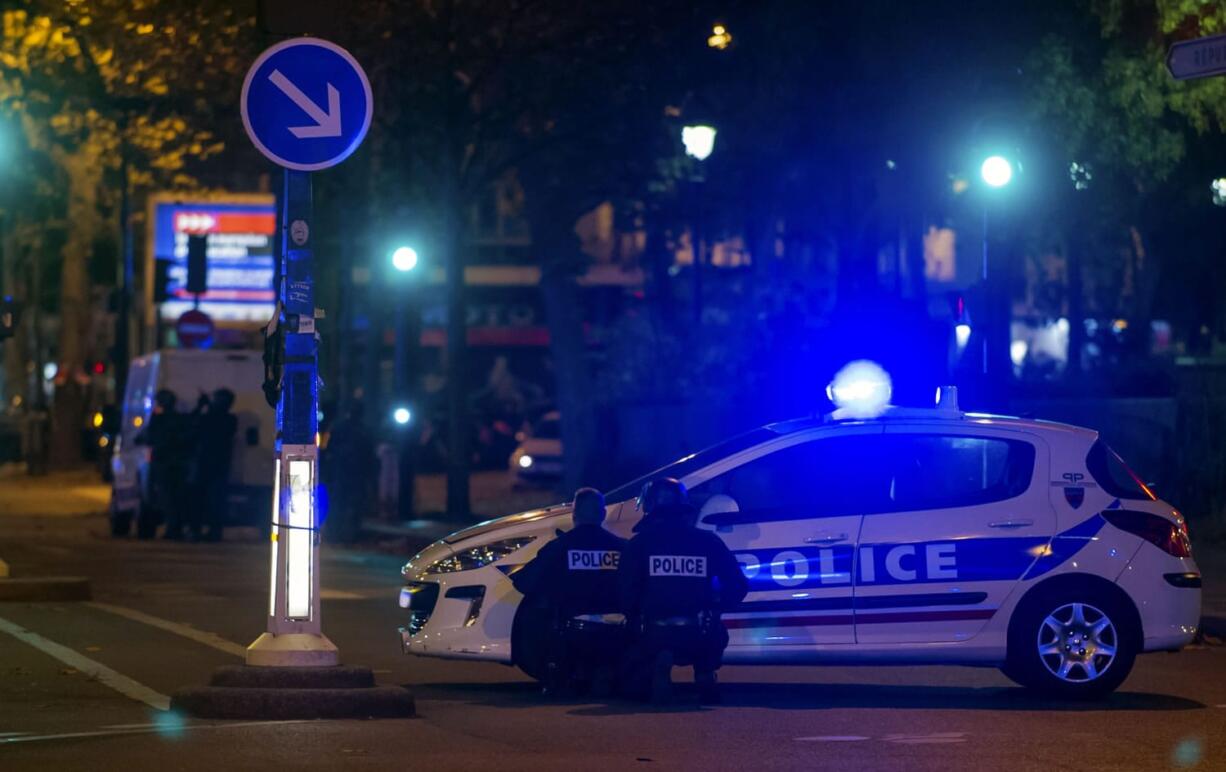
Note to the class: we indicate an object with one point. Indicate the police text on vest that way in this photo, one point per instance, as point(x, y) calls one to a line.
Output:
point(678, 565)
point(592, 560)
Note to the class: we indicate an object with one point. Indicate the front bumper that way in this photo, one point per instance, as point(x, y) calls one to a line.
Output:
point(465, 615)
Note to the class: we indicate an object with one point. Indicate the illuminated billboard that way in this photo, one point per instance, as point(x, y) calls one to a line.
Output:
point(240, 230)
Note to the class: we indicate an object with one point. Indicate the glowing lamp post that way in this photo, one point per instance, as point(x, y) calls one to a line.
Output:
point(997, 172)
point(404, 259)
point(699, 142)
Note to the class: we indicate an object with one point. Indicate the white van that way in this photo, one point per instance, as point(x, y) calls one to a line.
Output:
point(190, 373)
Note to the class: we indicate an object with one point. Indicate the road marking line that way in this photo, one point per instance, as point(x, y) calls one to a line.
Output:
point(833, 738)
point(199, 636)
point(12, 734)
point(152, 729)
point(935, 738)
point(117, 681)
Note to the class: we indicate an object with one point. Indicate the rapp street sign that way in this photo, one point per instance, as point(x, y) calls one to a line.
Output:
point(1201, 58)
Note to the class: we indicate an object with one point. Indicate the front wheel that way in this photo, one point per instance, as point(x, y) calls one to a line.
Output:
point(1072, 644)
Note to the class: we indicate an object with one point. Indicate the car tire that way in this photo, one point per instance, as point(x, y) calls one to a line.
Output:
point(529, 640)
point(1075, 643)
point(121, 523)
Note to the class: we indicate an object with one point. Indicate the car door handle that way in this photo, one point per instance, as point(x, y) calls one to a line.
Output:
point(1010, 524)
point(826, 539)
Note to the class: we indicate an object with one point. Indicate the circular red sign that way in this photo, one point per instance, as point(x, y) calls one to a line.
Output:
point(194, 328)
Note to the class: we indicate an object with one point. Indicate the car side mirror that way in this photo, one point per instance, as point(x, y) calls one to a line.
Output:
point(253, 436)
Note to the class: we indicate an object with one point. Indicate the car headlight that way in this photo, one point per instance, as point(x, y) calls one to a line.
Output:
point(478, 557)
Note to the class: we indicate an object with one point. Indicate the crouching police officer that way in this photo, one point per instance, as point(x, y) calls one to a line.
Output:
point(575, 578)
point(675, 579)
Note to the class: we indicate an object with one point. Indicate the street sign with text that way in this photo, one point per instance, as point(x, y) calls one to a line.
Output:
point(306, 104)
point(1201, 58)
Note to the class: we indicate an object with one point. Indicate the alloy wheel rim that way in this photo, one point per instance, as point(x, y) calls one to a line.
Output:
point(1077, 643)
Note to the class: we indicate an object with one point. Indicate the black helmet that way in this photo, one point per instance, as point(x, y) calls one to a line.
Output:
point(166, 399)
point(662, 493)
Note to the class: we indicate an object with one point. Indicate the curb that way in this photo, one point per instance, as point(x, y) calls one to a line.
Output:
point(272, 704)
point(292, 693)
point(247, 677)
point(49, 588)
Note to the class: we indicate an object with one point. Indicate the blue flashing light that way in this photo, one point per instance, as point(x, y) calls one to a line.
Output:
point(962, 334)
point(862, 389)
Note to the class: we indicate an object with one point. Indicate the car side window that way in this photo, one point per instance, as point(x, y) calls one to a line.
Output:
point(945, 471)
point(821, 478)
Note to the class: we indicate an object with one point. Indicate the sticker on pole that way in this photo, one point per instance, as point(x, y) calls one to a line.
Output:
point(306, 104)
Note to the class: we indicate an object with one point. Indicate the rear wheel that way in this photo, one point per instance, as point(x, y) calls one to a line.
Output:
point(1073, 643)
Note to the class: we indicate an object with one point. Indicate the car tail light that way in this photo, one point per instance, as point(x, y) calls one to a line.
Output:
point(1167, 535)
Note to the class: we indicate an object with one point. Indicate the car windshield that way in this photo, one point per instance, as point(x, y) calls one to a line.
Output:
point(684, 466)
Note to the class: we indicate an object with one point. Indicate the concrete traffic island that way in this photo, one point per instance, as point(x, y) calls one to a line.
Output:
point(288, 693)
point(36, 589)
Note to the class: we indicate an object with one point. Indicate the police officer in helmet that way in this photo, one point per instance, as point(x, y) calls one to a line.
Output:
point(574, 577)
point(675, 580)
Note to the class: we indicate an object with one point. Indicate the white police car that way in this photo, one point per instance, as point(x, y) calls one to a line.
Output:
point(915, 536)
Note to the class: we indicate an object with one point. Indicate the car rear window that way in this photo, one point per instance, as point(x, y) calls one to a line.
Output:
point(946, 471)
point(1114, 476)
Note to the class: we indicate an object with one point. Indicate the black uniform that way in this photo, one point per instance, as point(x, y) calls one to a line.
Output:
point(214, 452)
point(168, 436)
point(573, 576)
point(675, 579)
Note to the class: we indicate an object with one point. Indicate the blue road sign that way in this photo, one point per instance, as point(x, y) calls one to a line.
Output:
point(306, 104)
point(1200, 58)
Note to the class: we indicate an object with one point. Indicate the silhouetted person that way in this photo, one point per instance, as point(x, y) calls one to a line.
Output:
point(215, 429)
point(170, 457)
point(675, 579)
point(351, 466)
point(575, 578)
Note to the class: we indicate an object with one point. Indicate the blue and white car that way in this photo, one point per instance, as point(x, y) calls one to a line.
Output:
point(915, 536)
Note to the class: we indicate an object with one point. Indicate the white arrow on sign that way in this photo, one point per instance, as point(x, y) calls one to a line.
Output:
point(326, 124)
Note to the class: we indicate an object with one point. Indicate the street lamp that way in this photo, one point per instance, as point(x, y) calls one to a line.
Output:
point(996, 171)
point(407, 327)
point(699, 142)
point(404, 259)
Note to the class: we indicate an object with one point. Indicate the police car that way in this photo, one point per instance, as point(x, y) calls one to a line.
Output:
point(881, 536)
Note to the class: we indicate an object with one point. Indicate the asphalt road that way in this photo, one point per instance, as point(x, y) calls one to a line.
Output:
point(165, 614)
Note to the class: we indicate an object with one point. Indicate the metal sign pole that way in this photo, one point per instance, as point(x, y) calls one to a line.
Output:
point(294, 636)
